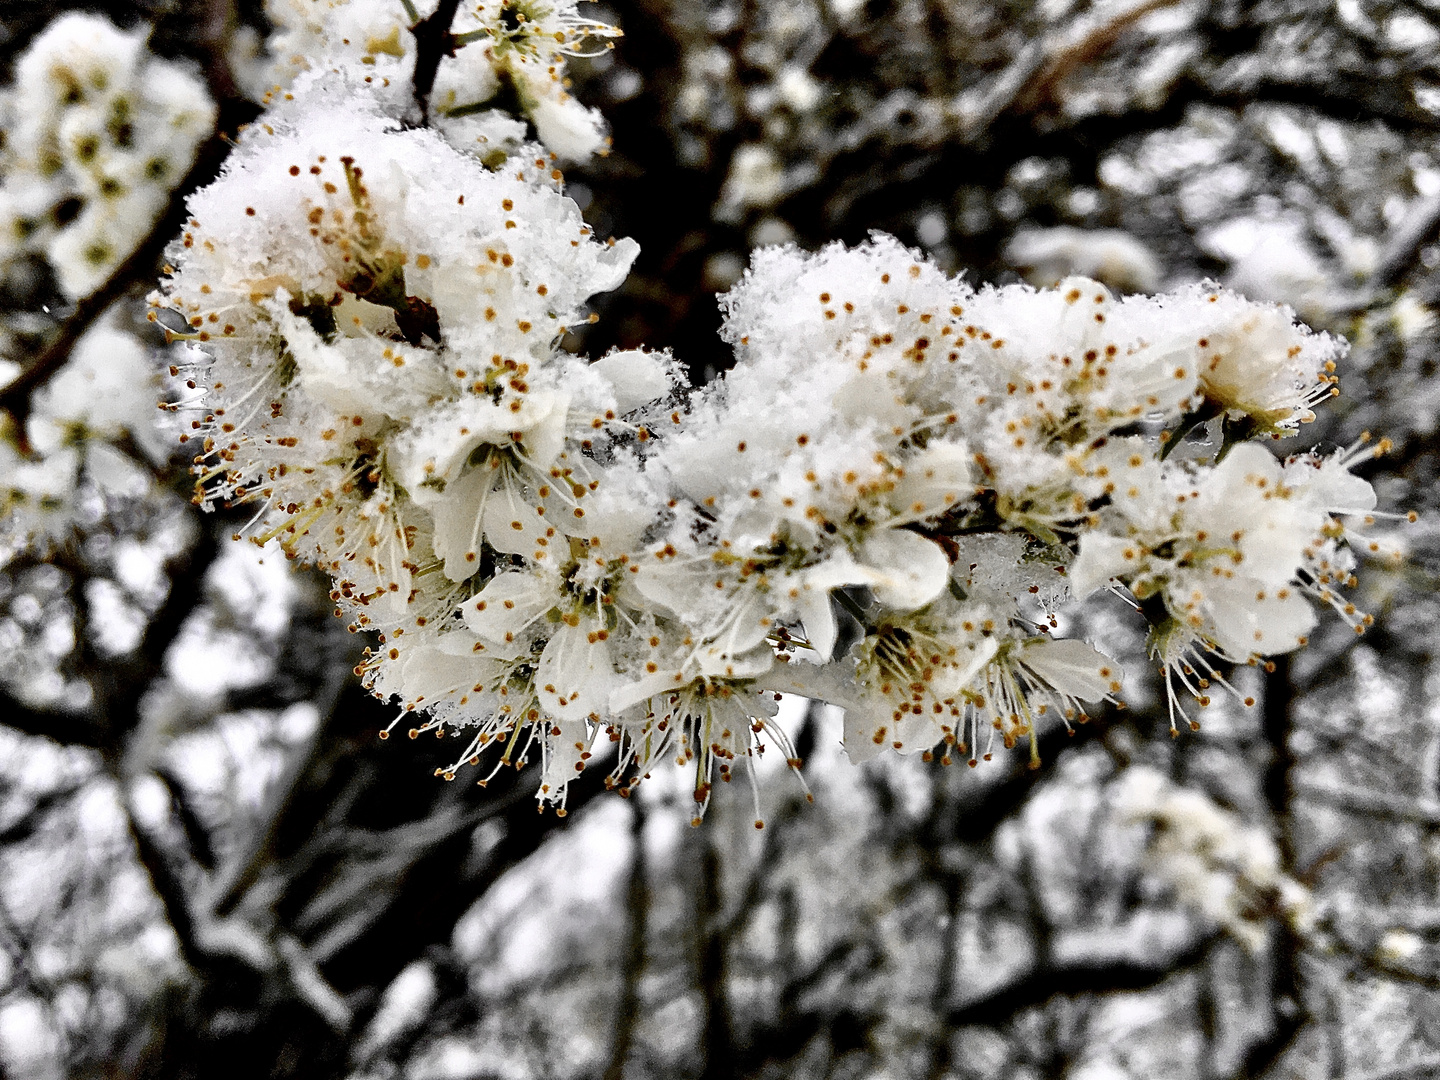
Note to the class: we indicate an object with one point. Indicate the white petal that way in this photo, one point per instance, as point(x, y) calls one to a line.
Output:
point(325, 371)
point(820, 627)
point(563, 756)
point(1101, 558)
point(632, 693)
point(503, 612)
point(1245, 618)
point(1331, 486)
point(575, 676)
point(957, 673)
point(544, 436)
point(936, 479)
point(910, 570)
point(746, 624)
point(457, 520)
point(636, 377)
point(432, 453)
point(915, 732)
point(510, 523)
point(862, 725)
point(442, 667)
point(568, 128)
point(1071, 667)
point(678, 586)
point(824, 682)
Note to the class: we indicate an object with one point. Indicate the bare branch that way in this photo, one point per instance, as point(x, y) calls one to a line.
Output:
point(632, 966)
point(1421, 810)
point(433, 41)
point(1081, 977)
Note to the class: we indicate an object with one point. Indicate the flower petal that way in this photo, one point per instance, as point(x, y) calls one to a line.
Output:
point(575, 676)
point(910, 570)
point(1071, 667)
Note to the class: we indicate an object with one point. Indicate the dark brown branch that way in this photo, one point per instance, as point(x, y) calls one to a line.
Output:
point(167, 884)
point(1046, 982)
point(433, 41)
point(713, 974)
point(1277, 723)
point(25, 825)
point(1045, 87)
point(1420, 226)
point(627, 1009)
point(68, 729)
point(197, 836)
point(1371, 802)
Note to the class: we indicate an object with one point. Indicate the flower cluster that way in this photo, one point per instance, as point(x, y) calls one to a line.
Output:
point(81, 431)
point(560, 555)
point(381, 315)
point(369, 37)
point(97, 133)
point(882, 505)
point(516, 50)
point(508, 58)
point(973, 458)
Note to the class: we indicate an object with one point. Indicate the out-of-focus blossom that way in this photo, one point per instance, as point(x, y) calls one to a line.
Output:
point(1218, 864)
point(98, 132)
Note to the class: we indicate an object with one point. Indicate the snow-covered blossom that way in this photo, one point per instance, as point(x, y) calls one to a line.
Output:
point(520, 47)
point(507, 55)
point(388, 392)
point(1227, 870)
point(1258, 366)
point(97, 133)
point(1222, 556)
point(106, 389)
point(403, 344)
point(364, 36)
point(38, 493)
point(564, 555)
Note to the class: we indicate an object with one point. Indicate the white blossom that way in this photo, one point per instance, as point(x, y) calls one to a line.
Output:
point(104, 393)
point(519, 46)
point(364, 36)
point(1227, 870)
point(98, 131)
point(559, 554)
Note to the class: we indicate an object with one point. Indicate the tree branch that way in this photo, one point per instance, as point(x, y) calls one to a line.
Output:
point(433, 41)
point(1383, 804)
point(1046, 982)
point(627, 1009)
point(718, 1046)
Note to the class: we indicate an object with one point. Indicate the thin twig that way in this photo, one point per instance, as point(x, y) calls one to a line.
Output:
point(1099, 40)
point(1421, 225)
point(1371, 801)
point(1414, 1069)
